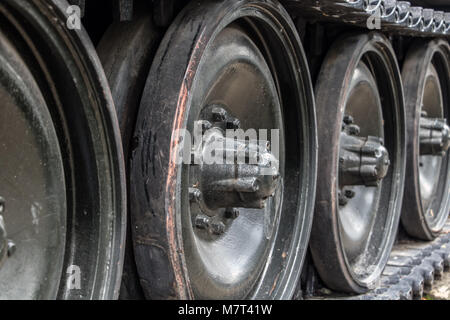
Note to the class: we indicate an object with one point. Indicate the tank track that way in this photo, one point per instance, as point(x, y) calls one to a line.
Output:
point(399, 17)
point(412, 270)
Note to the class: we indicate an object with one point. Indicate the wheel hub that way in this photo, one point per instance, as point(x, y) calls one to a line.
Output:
point(434, 135)
point(434, 141)
point(232, 172)
point(363, 161)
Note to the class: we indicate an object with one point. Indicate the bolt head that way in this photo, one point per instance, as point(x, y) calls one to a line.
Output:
point(342, 199)
point(218, 228)
point(219, 114)
point(348, 120)
point(232, 213)
point(233, 124)
point(350, 194)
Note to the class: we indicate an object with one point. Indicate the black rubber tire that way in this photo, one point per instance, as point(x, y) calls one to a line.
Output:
point(335, 76)
point(126, 68)
point(420, 55)
point(155, 198)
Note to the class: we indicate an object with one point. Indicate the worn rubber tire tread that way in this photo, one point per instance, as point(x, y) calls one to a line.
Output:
point(126, 68)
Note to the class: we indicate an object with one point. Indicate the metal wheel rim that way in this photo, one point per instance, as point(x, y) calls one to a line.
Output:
point(357, 217)
point(431, 170)
point(366, 268)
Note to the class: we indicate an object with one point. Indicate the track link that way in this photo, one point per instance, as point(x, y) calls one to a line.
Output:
point(394, 16)
point(412, 270)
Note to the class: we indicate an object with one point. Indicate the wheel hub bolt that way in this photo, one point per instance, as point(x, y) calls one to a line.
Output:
point(217, 228)
point(343, 200)
point(233, 124)
point(202, 221)
point(219, 114)
point(348, 120)
point(349, 194)
point(231, 213)
point(345, 195)
point(353, 129)
point(194, 194)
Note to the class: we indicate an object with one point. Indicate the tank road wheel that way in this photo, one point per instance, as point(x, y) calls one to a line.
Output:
point(361, 159)
point(426, 81)
point(224, 230)
point(62, 178)
point(127, 67)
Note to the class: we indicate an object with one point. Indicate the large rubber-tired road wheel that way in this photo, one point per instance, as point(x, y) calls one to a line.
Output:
point(361, 125)
point(209, 231)
point(426, 79)
point(62, 177)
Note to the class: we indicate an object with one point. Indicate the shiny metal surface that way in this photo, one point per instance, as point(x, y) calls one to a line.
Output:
point(228, 266)
point(358, 215)
point(430, 165)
